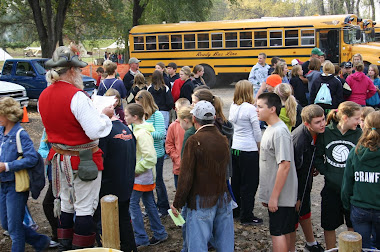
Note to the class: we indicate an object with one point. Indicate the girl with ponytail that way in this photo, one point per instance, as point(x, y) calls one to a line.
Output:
point(290, 112)
point(360, 186)
point(332, 149)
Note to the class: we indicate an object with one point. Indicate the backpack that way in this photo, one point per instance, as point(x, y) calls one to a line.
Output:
point(323, 95)
point(36, 173)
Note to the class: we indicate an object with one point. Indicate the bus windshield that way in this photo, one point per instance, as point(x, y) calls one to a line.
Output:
point(352, 35)
point(368, 35)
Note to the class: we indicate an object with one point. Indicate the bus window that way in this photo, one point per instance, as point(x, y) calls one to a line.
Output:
point(189, 41)
point(245, 39)
point(231, 39)
point(291, 38)
point(151, 43)
point(261, 38)
point(307, 37)
point(275, 38)
point(176, 41)
point(203, 40)
point(138, 43)
point(163, 42)
point(217, 40)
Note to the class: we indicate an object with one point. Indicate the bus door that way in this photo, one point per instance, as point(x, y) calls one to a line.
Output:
point(329, 43)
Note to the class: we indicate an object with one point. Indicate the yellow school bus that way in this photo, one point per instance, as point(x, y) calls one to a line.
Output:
point(377, 32)
point(230, 48)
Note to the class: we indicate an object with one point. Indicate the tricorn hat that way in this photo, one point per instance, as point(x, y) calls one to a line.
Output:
point(64, 56)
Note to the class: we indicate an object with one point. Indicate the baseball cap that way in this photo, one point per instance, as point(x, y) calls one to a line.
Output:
point(295, 62)
point(317, 51)
point(133, 60)
point(348, 65)
point(273, 80)
point(203, 110)
point(343, 63)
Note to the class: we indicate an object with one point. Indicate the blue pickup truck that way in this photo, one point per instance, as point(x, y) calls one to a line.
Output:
point(30, 73)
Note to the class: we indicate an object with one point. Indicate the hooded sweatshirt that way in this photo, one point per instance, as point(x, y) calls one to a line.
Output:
point(146, 157)
point(162, 97)
point(173, 144)
point(335, 87)
point(361, 180)
point(362, 87)
point(284, 117)
point(247, 132)
point(312, 77)
point(227, 129)
point(334, 147)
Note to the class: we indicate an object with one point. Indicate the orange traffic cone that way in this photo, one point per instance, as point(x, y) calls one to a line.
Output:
point(25, 118)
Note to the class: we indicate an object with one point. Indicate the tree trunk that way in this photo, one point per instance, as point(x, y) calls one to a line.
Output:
point(373, 12)
point(321, 7)
point(358, 8)
point(138, 9)
point(52, 32)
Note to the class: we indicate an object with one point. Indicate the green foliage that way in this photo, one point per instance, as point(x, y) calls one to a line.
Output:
point(174, 11)
point(245, 9)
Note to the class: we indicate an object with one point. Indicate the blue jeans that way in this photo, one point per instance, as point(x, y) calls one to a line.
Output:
point(162, 195)
point(158, 229)
point(175, 181)
point(204, 223)
point(166, 115)
point(12, 211)
point(365, 222)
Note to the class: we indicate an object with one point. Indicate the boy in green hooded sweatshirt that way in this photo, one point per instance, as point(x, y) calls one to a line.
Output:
point(340, 136)
point(146, 159)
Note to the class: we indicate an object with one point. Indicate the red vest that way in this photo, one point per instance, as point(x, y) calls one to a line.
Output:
point(60, 124)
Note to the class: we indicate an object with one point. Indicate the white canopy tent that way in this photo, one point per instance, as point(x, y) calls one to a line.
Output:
point(32, 51)
point(115, 45)
point(4, 55)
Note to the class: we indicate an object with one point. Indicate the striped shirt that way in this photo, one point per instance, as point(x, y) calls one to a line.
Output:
point(157, 119)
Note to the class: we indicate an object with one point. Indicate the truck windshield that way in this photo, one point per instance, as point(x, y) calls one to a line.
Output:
point(39, 65)
point(352, 35)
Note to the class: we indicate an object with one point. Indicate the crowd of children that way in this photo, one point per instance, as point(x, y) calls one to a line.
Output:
point(275, 147)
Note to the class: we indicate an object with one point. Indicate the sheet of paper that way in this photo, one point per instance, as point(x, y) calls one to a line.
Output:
point(101, 102)
point(178, 221)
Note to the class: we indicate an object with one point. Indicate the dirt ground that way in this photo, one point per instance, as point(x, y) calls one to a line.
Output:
point(247, 238)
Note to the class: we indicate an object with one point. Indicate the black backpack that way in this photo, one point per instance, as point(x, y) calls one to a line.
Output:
point(36, 173)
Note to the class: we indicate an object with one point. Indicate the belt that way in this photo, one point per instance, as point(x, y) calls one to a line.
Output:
point(71, 153)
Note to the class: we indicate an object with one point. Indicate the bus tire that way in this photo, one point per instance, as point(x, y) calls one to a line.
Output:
point(209, 76)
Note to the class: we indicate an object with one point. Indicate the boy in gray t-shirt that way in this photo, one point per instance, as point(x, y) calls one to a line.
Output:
point(278, 177)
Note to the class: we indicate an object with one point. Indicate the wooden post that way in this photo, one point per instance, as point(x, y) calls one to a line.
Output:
point(350, 242)
point(110, 222)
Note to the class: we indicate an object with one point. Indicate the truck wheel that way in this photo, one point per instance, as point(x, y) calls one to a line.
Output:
point(209, 76)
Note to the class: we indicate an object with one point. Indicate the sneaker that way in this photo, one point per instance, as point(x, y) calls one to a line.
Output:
point(254, 221)
point(145, 215)
point(53, 244)
point(314, 248)
point(155, 241)
point(142, 245)
point(6, 233)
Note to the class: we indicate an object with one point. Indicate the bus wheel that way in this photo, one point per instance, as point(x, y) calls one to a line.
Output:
point(209, 76)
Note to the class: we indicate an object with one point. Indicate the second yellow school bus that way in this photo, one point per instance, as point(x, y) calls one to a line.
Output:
point(230, 48)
